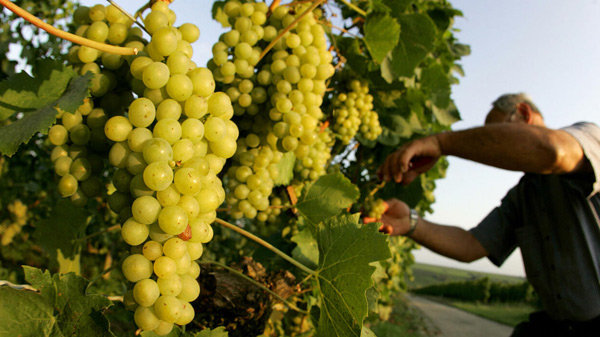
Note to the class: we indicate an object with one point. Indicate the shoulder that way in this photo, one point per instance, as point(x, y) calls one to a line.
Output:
point(587, 135)
point(583, 128)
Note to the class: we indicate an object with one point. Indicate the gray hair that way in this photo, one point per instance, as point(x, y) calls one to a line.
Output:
point(508, 102)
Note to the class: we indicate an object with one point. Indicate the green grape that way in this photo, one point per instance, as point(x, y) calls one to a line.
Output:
point(187, 181)
point(164, 266)
point(163, 328)
point(168, 308)
point(117, 33)
point(117, 155)
point(155, 20)
point(179, 87)
point(146, 318)
point(145, 209)
point(189, 32)
point(190, 289)
point(158, 176)
point(178, 63)
point(170, 285)
point(136, 267)
point(173, 219)
point(97, 31)
point(167, 129)
point(175, 248)
point(190, 205)
point(146, 292)
point(201, 231)
point(215, 129)
point(87, 54)
point(155, 75)
point(137, 139)
point(152, 250)
point(117, 128)
point(168, 108)
point(195, 249)
point(58, 135)
point(169, 196)
point(165, 41)
point(62, 165)
point(138, 65)
point(157, 234)
point(138, 188)
point(67, 185)
point(157, 150)
point(183, 150)
point(81, 169)
point(142, 112)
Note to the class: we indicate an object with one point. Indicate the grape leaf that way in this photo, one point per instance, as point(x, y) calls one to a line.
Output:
point(59, 232)
point(219, 15)
point(23, 93)
point(286, 169)
point(21, 131)
point(381, 35)
point(306, 250)
point(346, 250)
point(416, 41)
point(434, 79)
point(24, 313)
point(217, 332)
point(61, 308)
point(326, 197)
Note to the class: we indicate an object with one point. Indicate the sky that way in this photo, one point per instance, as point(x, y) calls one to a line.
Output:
point(546, 48)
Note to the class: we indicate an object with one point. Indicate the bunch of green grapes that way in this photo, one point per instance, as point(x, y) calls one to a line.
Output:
point(80, 143)
point(374, 208)
point(353, 113)
point(276, 104)
point(167, 150)
point(314, 165)
point(12, 226)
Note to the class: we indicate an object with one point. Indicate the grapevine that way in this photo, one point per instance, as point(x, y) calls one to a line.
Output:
point(153, 172)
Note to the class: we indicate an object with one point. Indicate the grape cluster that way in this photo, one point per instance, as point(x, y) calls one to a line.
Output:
point(165, 133)
point(12, 226)
point(374, 208)
point(79, 139)
point(353, 113)
point(276, 99)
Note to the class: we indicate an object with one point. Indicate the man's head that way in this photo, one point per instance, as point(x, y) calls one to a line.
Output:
point(514, 108)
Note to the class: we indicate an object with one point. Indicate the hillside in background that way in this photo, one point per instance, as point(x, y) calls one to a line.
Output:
point(426, 274)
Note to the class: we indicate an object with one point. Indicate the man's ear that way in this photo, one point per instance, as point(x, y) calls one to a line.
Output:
point(525, 113)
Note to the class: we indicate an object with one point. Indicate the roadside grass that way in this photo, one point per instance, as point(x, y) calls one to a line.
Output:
point(505, 313)
point(426, 274)
point(405, 320)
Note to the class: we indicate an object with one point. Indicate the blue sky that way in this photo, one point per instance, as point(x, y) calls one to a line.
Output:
point(547, 48)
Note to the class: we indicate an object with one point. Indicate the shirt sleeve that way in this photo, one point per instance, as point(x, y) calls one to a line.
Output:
point(588, 136)
point(496, 232)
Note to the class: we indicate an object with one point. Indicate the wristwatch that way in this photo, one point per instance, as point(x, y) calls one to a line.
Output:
point(414, 217)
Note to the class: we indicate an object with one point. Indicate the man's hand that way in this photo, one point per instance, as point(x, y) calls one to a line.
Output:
point(396, 220)
point(412, 159)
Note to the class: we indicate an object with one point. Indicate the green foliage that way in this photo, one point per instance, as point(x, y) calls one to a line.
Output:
point(326, 197)
point(482, 290)
point(58, 234)
point(61, 308)
point(346, 250)
point(38, 98)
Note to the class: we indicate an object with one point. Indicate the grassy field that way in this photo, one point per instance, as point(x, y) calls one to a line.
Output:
point(426, 274)
point(505, 313)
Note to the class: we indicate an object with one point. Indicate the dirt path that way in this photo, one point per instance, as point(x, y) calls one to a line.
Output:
point(453, 322)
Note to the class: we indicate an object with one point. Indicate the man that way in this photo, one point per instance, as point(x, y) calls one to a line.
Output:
point(551, 214)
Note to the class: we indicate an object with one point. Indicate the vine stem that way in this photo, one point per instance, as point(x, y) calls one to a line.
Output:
point(67, 36)
point(287, 29)
point(109, 229)
point(258, 284)
point(266, 245)
point(354, 7)
point(128, 15)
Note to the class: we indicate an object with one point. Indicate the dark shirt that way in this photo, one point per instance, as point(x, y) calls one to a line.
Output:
point(554, 220)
